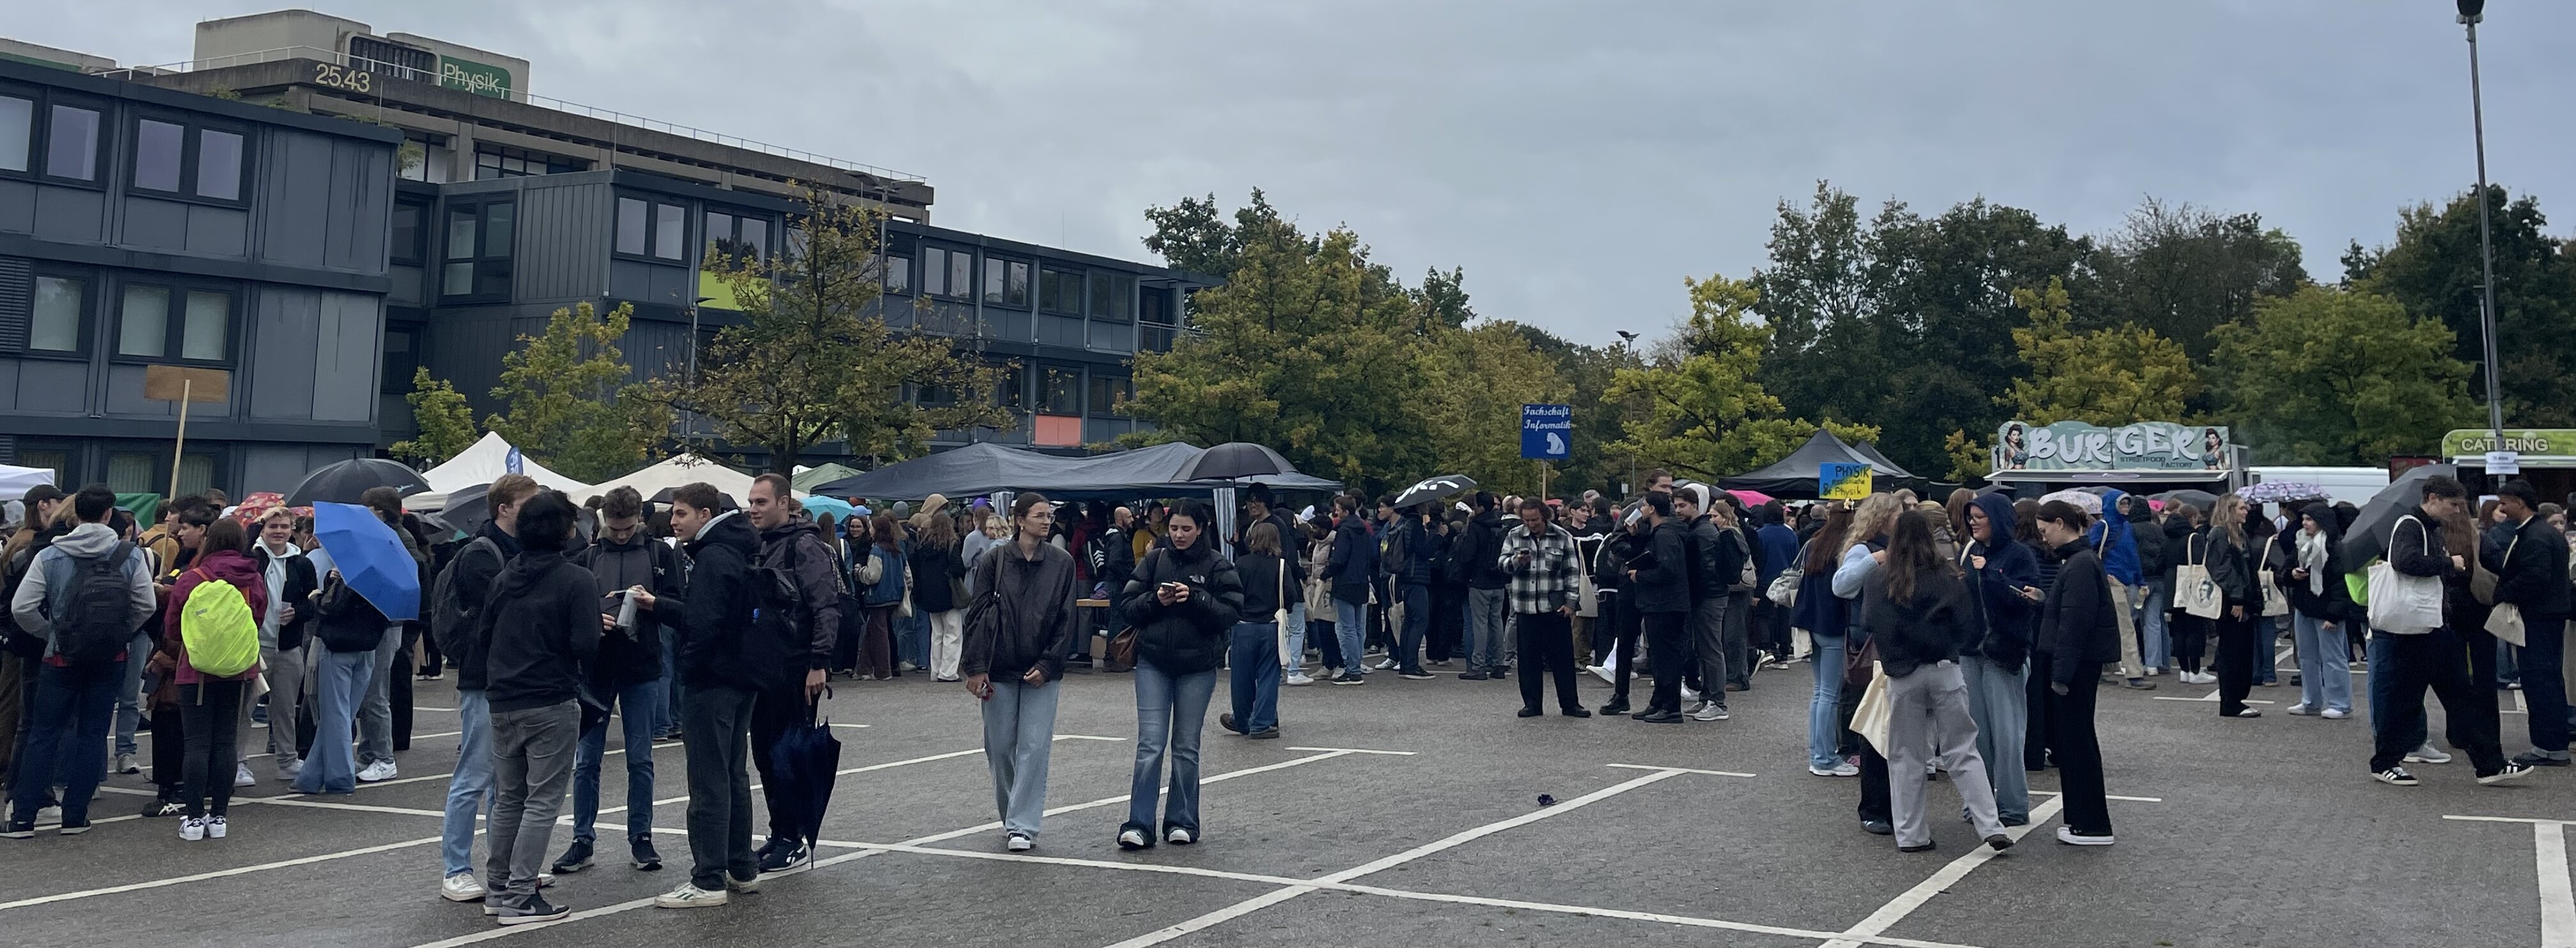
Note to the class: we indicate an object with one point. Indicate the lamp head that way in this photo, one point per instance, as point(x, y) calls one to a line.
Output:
point(2472, 11)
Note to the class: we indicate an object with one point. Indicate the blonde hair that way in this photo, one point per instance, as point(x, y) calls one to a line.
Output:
point(1876, 516)
point(996, 527)
point(2228, 515)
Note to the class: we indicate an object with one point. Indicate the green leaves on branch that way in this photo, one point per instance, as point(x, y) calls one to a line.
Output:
point(568, 400)
point(2108, 377)
point(443, 420)
point(2331, 376)
point(1699, 409)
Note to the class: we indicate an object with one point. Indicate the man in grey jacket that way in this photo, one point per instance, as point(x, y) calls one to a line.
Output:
point(75, 693)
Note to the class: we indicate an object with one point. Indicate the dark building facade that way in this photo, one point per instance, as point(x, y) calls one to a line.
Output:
point(144, 227)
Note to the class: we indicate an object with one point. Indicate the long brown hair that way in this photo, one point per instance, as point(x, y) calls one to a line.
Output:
point(1826, 547)
point(1911, 556)
point(940, 532)
point(885, 531)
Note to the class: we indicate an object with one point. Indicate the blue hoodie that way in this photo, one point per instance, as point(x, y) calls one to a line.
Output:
point(2002, 611)
point(2120, 555)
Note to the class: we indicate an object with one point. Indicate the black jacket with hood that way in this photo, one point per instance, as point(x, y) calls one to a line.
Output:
point(714, 615)
point(1662, 583)
point(1184, 637)
point(2008, 618)
point(1929, 628)
point(2335, 603)
point(2531, 572)
point(1481, 550)
point(797, 546)
point(476, 567)
point(2077, 625)
point(539, 631)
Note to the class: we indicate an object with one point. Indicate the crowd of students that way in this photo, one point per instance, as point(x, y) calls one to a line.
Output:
point(1970, 637)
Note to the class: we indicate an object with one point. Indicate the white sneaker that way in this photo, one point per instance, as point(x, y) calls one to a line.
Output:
point(125, 764)
point(290, 770)
point(242, 777)
point(1384, 664)
point(2070, 837)
point(1130, 839)
point(192, 828)
point(1688, 694)
point(689, 896)
point(1839, 769)
point(460, 887)
point(2428, 754)
point(1179, 837)
point(380, 770)
point(2300, 708)
point(1019, 844)
point(2334, 715)
point(1299, 678)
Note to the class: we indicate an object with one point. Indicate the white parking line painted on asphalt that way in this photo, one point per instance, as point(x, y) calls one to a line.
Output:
point(216, 874)
point(2211, 697)
point(2557, 892)
point(2106, 796)
point(631, 905)
point(1356, 750)
point(1274, 897)
point(969, 752)
point(1906, 902)
point(1687, 770)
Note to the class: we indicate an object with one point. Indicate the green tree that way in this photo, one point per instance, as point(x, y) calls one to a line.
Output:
point(443, 422)
point(2182, 270)
point(1587, 371)
point(812, 360)
point(1309, 347)
point(2332, 376)
point(1969, 457)
point(1475, 380)
point(2433, 268)
point(1700, 411)
point(568, 401)
point(2110, 377)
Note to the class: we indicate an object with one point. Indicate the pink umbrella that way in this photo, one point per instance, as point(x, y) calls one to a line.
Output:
point(1751, 498)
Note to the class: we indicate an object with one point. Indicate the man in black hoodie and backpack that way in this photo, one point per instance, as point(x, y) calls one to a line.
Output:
point(792, 677)
point(539, 630)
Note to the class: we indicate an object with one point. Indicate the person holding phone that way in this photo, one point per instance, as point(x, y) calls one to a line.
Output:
point(1018, 631)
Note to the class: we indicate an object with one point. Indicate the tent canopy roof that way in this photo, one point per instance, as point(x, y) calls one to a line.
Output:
point(679, 471)
point(986, 468)
point(1795, 476)
point(485, 462)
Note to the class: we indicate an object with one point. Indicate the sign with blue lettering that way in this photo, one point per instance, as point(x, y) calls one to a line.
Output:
point(1836, 481)
point(1547, 432)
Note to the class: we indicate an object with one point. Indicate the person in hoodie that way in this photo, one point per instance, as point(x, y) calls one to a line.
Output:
point(75, 701)
point(627, 674)
point(2118, 548)
point(1488, 605)
point(209, 707)
point(1826, 619)
point(2307, 566)
point(2186, 544)
point(1711, 566)
point(1410, 559)
point(1658, 581)
point(1777, 549)
point(1871, 524)
point(2147, 529)
point(1016, 640)
point(792, 544)
point(469, 576)
point(709, 622)
point(539, 631)
point(2077, 635)
point(1922, 615)
point(2004, 577)
point(1350, 571)
point(2531, 574)
point(1183, 604)
point(287, 575)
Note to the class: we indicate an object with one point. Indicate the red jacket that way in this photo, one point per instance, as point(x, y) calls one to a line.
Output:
point(227, 566)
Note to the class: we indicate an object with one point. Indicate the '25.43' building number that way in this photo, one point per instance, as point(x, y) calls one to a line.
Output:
point(338, 77)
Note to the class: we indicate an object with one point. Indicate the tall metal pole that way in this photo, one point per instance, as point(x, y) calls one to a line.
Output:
point(2486, 246)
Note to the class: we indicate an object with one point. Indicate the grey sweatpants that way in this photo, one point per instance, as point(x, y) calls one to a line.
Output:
point(532, 757)
point(1930, 712)
point(285, 674)
point(1708, 645)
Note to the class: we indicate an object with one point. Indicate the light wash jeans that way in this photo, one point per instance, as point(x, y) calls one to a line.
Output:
point(469, 789)
point(640, 702)
point(1350, 626)
point(1171, 711)
point(1826, 654)
point(1998, 702)
point(376, 715)
point(1019, 730)
point(338, 688)
point(129, 696)
point(2151, 624)
point(1294, 657)
point(1487, 611)
point(2325, 676)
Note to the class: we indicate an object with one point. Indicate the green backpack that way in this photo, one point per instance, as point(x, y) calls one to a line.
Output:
point(217, 628)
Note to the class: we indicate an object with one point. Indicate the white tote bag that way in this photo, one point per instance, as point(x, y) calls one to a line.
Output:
point(2194, 592)
point(2402, 603)
point(2505, 620)
point(2275, 602)
point(1877, 710)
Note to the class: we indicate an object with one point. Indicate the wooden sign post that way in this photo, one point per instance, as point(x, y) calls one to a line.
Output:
point(176, 383)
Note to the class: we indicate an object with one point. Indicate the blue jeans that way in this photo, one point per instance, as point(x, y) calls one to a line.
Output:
point(1487, 612)
point(640, 702)
point(1295, 656)
point(75, 706)
point(1417, 623)
point(1254, 684)
point(129, 696)
point(666, 717)
point(2508, 663)
point(469, 789)
point(1998, 701)
point(2325, 675)
point(2408, 728)
point(1350, 628)
point(339, 686)
point(912, 637)
point(2158, 647)
point(2267, 649)
point(1823, 736)
point(1019, 730)
point(1171, 710)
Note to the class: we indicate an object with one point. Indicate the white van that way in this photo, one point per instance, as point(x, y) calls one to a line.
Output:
point(2354, 484)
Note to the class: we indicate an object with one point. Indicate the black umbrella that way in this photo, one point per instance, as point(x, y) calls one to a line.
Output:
point(2367, 538)
point(724, 501)
point(341, 483)
point(1235, 460)
point(1430, 489)
point(2195, 497)
point(803, 766)
point(467, 509)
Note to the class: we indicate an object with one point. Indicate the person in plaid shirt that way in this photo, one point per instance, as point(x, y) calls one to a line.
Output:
point(1539, 559)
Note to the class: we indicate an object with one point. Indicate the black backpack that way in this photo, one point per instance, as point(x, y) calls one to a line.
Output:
point(14, 640)
point(93, 622)
point(779, 614)
point(449, 614)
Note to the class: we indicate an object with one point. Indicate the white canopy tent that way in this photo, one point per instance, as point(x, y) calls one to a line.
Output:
point(484, 463)
point(679, 471)
point(15, 481)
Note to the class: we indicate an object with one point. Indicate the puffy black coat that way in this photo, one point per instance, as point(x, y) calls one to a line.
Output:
point(1189, 636)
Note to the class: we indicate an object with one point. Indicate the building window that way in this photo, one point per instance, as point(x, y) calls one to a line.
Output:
point(649, 228)
point(410, 233)
point(493, 162)
point(1059, 391)
point(1060, 291)
point(55, 325)
point(740, 236)
point(1108, 392)
point(1113, 297)
point(402, 357)
point(71, 144)
point(57, 460)
point(175, 158)
point(133, 472)
point(670, 230)
point(1154, 316)
point(631, 234)
point(175, 324)
point(1011, 391)
point(478, 250)
point(949, 273)
point(896, 273)
point(370, 54)
point(17, 132)
point(1006, 283)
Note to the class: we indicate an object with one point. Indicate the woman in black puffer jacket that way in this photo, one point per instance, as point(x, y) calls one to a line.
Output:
point(1183, 604)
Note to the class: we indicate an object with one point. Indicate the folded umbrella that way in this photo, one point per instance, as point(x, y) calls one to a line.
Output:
point(341, 483)
point(370, 558)
point(1433, 488)
point(803, 765)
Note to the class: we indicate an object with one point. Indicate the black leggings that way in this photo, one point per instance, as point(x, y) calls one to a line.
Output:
point(2190, 640)
point(210, 712)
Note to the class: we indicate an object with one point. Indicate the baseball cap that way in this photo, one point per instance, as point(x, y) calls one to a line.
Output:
point(44, 492)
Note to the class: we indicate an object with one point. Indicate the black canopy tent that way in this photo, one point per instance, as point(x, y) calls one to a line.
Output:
point(1794, 477)
point(991, 468)
point(1879, 465)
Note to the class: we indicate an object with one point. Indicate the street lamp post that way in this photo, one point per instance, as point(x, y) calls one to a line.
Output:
point(2472, 12)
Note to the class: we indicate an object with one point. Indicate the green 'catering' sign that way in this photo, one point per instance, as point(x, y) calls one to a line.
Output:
point(2544, 445)
point(474, 77)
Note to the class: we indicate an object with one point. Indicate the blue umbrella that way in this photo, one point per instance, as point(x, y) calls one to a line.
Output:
point(371, 559)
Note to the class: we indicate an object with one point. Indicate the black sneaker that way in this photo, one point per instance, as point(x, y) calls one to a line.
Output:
point(1498, 674)
point(2511, 772)
point(536, 909)
point(1531, 712)
point(19, 829)
point(1614, 709)
point(160, 808)
point(2395, 777)
point(786, 860)
point(1574, 712)
point(644, 857)
point(1472, 675)
point(1878, 827)
point(1265, 734)
point(2538, 759)
point(1415, 674)
point(1350, 678)
point(1226, 721)
point(1663, 717)
point(574, 859)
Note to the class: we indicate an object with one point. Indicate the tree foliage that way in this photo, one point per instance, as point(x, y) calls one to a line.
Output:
point(812, 360)
point(1699, 410)
point(2433, 268)
point(1474, 381)
point(2182, 270)
point(442, 421)
point(567, 399)
point(2108, 377)
point(2333, 376)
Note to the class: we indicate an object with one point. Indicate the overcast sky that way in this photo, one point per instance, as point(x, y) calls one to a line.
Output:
point(1576, 159)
